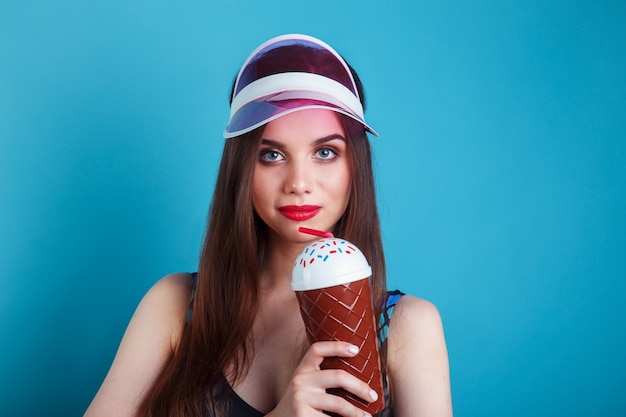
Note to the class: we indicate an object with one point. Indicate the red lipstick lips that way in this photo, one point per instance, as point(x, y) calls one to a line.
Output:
point(299, 213)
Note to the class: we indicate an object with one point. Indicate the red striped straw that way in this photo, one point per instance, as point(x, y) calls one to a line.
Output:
point(315, 232)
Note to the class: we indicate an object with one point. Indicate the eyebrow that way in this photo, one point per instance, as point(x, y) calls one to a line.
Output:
point(317, 142)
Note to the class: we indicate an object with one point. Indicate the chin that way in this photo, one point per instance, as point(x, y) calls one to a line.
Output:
point(301, 238)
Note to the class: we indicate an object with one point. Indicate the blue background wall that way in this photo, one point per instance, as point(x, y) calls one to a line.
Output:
point(501, 167)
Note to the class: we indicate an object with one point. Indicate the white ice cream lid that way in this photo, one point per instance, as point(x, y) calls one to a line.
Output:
point(328, 262)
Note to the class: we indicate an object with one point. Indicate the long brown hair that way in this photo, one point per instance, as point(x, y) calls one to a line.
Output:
point(226, 300)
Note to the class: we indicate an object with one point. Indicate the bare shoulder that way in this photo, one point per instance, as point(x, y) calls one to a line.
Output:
point(416, 324)
point(166, 304)
point(172, 286)
point(170, 294)
point(150, 338)
point(413, 313)
point(418, 306)
point(418, 360)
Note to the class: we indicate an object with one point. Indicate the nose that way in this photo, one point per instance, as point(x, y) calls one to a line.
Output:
point(299, 179)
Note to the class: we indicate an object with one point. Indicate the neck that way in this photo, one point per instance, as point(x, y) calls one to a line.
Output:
point(278, 263)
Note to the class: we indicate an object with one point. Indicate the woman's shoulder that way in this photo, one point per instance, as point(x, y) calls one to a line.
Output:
point(167, 302)
point(171, 292)
point(418, 359)
point(150, 338)
point(173, 286)
point(416, 323)
point(411, 308)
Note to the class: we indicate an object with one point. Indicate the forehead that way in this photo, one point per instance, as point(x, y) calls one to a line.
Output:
point(311, 124)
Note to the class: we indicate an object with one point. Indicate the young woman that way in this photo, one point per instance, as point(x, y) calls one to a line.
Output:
point(230, 341)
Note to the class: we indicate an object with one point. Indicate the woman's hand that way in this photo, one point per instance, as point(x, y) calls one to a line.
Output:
point(306, 394)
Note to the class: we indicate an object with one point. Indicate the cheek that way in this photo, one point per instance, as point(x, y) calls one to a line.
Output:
point(342, 184)
point(261, 186)
point(257, 195)
point(254, 190)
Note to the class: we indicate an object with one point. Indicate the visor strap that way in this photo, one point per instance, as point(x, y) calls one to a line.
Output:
point(296, 81)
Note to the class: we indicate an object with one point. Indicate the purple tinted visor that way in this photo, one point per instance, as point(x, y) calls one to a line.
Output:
point(257, 113)
point(290, 73)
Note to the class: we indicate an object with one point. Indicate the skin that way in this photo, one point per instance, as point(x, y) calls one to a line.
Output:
point(302, 161)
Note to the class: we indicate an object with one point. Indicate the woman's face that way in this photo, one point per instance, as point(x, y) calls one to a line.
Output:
point(302, 175)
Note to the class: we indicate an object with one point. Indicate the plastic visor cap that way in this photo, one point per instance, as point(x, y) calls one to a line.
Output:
point(290, 73)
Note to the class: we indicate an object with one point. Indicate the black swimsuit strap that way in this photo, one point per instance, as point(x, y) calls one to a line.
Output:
point(389, 303)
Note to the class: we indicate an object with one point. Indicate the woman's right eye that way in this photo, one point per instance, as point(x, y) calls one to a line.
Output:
point(271, 156)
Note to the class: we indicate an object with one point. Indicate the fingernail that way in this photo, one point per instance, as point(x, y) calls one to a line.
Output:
point(367, 415)
point(353, 349)
point(373, 395)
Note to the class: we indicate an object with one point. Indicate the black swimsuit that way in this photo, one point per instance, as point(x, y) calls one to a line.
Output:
point(237, 407)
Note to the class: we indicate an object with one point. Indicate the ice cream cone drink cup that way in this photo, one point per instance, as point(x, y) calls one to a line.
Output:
point(331, 280)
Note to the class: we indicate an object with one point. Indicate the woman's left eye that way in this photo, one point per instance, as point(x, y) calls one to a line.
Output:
point(271, 156)
point(326, 153)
